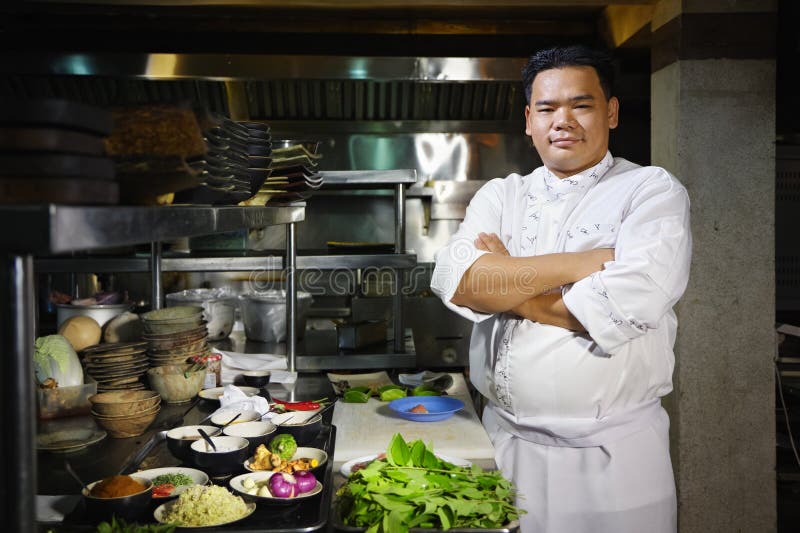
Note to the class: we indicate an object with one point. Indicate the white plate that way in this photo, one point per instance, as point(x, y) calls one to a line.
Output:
point(198, 476)
point(263, 477)
point(302, 453)
point(161, 509)
point(216, 392)
point(347, 468)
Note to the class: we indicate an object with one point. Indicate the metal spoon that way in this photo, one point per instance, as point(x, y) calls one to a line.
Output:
point(229, 422)
point(207, 438)
point(75, 476)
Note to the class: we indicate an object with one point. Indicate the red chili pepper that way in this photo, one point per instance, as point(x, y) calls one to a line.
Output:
point(298, 406)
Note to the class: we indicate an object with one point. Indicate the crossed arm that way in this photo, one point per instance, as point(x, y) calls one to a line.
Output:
point(526, 286)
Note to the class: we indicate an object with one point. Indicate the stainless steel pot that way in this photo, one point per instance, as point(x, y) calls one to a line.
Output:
point(264, 314)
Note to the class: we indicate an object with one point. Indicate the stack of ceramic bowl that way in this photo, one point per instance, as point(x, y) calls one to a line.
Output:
point(175, 335)
point(125, 413)
point(117, 366)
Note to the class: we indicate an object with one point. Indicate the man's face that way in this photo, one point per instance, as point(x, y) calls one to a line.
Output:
point(568, 119)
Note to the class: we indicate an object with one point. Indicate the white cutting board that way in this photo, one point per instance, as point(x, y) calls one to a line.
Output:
point(366, 428)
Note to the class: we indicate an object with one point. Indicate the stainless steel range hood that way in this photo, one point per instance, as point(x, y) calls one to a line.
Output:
point(283, 87)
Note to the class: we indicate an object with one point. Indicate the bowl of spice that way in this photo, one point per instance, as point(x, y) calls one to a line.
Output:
point(126, 497)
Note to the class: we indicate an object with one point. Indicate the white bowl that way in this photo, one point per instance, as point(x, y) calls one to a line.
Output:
point(223, 416)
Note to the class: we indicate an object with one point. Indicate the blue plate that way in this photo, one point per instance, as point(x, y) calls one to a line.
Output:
point(439, 407)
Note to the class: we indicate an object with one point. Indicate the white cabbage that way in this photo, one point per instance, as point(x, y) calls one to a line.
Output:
point(55, 358)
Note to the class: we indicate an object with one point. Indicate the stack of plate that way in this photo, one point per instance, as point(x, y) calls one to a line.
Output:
point(294, 174)
point(177, 348)
point(117, 366)
point(237, 161)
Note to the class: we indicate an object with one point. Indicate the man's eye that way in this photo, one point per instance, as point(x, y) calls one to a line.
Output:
point(582, 106)
point(544, 110)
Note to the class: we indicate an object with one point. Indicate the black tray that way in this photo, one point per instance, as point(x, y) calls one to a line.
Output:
point(306, 516)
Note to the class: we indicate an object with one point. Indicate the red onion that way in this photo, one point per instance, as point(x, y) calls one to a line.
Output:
point(305, 481)
point(283, 485)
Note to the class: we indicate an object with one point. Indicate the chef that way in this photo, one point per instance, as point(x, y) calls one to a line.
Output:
point(570, 274)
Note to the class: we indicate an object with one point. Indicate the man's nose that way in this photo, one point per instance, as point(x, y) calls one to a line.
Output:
point(564, 120)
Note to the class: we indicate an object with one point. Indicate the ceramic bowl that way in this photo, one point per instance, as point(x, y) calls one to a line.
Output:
point(304, 427)
point(175, 383)
point(257, 432)
point(256, 378)
point(130, 507)
point(124, 402)
point(120, 427)
point(223, 416)
point(231, 453)
point(262, 478)
point(180, 439)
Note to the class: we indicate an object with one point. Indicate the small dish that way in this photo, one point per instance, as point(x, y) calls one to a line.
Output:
point(256, 378)
point(69, 440)
point(214, 393)
point(358, 463)
point(437, 407)
point(223, 417)
point(164, 507)
point(261, 478)
point(302, 453)
point(198, 477)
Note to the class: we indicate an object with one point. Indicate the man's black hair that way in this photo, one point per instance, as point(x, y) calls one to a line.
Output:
point(570, 56)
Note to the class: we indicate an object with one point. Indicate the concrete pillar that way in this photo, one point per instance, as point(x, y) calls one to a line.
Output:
point(713, 126)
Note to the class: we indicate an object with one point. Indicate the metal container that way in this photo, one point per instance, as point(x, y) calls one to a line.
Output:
point(219, 307)
point(264, 314)
point(102, 313)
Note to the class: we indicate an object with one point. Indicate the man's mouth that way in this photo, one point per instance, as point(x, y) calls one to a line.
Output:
point(564, 142)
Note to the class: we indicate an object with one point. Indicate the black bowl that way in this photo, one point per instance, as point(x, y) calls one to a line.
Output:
point(220, 463)
point(126, 507)
point(180, 439)
point(304, 432)
point(256, 378)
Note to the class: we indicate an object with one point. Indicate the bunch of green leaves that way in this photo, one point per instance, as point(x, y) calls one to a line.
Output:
point(119, 525)
point(412, 488)
point(386, 393)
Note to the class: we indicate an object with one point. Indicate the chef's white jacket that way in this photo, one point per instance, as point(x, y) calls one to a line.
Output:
point(553, 391)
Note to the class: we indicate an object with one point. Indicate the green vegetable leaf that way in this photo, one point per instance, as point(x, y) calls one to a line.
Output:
point(446, 516)
point(355, 396)
point(398, 453)
point(425, 390)
point(392, 394)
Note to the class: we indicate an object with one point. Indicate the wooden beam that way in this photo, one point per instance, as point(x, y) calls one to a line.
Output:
point(620, 23)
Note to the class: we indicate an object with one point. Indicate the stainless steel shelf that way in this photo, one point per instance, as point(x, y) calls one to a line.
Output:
point(49, 229)
point(367, 178)
point(317, 351)
point(221, 263)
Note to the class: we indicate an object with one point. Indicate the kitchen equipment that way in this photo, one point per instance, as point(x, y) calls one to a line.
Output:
point(207, 439)
point(180, 439)
point(231, 453)
point(264, 314)
point(256, 432)
point(102, 313)
point(219, 306)
point(129, 507)
point(177, 383)
point(351, 336)
point(426, 408)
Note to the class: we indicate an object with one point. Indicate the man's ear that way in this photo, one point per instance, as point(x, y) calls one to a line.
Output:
point(527, 121)
point(613, 112)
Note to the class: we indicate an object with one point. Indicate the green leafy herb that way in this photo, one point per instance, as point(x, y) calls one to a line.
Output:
point(414, 488)
point(176, 479)
point(119, 525)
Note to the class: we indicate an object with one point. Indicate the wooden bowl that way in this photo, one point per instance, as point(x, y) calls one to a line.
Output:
point(124, 402)
point(130, 426)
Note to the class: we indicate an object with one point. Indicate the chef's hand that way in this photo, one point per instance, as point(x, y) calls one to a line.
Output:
point(490, 242)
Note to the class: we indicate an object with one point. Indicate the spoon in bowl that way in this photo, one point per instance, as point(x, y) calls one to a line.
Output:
point(75, 476)
point(207, 438)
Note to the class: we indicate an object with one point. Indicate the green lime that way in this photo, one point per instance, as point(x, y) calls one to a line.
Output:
point(393, 394)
